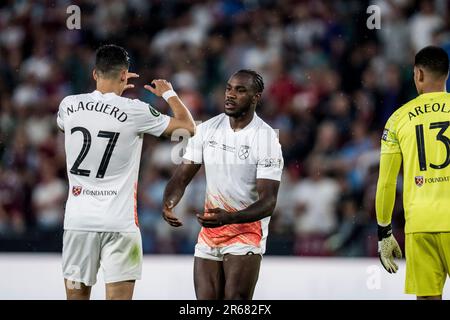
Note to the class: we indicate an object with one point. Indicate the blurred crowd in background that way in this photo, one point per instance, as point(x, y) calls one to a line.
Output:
point(330, 85)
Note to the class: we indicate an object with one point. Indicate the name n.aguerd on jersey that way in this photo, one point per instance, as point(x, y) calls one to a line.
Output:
point(103, 142)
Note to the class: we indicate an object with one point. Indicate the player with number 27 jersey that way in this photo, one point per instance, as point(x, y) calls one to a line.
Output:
point(103, 164)
point(420, 131)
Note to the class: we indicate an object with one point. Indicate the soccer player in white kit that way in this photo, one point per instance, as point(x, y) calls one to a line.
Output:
point(103, 141)
point(243, 164)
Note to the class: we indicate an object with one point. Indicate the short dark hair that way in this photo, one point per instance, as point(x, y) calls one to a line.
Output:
point(434, 59)
point(110, 60)
point(258, 82)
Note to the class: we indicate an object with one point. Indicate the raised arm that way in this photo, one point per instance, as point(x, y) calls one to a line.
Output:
point(263, 207)
point(175, 189)
point(182, 118)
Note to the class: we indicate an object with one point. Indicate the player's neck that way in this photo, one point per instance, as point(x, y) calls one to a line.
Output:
point(109, 87)
point(434, 87)
point(241, 122)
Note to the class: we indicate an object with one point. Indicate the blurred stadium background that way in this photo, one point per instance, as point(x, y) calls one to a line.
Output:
point(331, 83)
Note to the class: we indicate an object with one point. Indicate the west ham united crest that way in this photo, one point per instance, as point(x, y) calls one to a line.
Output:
point(243, 152)
point(419, 180)
point(76, 190)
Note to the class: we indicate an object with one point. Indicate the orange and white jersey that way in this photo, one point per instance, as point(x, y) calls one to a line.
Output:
point(103, 143)
point(233, 162)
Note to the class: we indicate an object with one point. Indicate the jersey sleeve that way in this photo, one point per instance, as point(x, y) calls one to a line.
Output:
point(149, 120)
point(270, 161)
point(61, 114)
point(194, 148)
point(386, 187)
point(389, 139)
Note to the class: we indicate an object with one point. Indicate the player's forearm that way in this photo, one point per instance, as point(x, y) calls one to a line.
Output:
point(255, 212)
point(385, 200)
point(174, 191)
point(386, 187)
point(176, 186)
point(181, 113)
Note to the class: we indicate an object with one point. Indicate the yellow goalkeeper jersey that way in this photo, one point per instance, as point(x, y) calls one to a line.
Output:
point(420, 132)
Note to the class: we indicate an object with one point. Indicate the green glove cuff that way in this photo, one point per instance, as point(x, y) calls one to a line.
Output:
point(384, 232)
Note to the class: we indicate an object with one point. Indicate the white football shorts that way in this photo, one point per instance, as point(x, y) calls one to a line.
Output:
point(239, 249)
point(118, 253)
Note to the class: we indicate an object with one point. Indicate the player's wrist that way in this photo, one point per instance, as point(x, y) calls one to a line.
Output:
point(169, 94)
point(384, 231)
point(229, 218)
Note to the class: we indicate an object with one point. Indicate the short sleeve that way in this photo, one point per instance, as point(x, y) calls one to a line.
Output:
point(270, 158)
point(389, 139)
point(194, 148)
point(61, 114)
point(149, 120)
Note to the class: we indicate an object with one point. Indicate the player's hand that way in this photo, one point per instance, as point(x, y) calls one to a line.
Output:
point(159, 86)
point(388, 248)
point(130, 75)
point(169, 216)
point(214, 218)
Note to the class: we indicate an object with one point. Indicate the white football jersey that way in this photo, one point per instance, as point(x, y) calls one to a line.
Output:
point(103, 143)
point(233, 162)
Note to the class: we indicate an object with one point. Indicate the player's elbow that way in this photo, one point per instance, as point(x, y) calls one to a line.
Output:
point(180, 127)
point(189, 126)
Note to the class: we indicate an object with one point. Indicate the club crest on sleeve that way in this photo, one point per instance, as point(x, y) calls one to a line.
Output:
point(153, 111)
point(419, 180)
point(243, 152)
point(76, 190)
point(385, 134)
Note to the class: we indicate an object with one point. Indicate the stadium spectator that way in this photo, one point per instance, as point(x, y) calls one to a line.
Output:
point(315, 199)
point(48, 198)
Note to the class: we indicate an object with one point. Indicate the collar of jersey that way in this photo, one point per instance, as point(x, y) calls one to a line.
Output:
point(248, 126)
point(432, 93)
point(106, 95)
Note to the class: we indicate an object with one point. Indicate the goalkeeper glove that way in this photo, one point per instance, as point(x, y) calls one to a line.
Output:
point(388, 248)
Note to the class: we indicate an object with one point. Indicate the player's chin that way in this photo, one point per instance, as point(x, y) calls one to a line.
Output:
point(232, 112)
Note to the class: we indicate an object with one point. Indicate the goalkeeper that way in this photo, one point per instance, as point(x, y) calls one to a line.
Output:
point(417, 134)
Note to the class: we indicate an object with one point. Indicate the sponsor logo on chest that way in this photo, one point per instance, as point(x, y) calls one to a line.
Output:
point(78, 190)
point(242, 152)
point(419, 180)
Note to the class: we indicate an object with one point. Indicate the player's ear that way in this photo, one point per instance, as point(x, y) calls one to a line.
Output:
point(256, 98)
point(94, 74)
point(416, 80)
point(123, 75)
point(419, 74)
